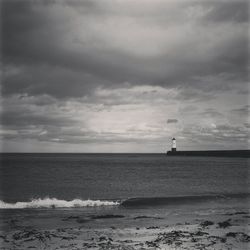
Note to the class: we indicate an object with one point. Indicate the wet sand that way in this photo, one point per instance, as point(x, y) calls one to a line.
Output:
point(125, 230)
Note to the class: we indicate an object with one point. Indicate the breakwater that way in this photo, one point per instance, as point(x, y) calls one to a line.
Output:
point(212, 153)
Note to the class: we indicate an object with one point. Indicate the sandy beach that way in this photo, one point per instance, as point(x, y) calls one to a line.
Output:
point(126, 229)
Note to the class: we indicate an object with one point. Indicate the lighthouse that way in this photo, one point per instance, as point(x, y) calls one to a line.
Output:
point(173, 145)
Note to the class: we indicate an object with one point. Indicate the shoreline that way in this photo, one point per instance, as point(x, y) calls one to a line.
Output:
point(207, 226)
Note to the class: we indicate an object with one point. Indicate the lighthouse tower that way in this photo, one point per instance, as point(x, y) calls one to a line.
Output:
point(173, 145)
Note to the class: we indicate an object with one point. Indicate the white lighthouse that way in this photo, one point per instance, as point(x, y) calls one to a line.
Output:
point(173, 145)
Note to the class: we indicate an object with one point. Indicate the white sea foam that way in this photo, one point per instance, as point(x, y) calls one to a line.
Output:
point(55, 203)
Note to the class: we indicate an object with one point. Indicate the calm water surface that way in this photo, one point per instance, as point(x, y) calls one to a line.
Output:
point(118, 176)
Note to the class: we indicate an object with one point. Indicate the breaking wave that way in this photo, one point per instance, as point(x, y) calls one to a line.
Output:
point(55, 203)
point(175, 200)
point(130, 202)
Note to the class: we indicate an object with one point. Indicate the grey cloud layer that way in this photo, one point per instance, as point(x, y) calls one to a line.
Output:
point(125, 72)
point(57, 44)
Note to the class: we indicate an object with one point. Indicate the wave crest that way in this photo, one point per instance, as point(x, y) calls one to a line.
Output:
point(174, 200)
point(55, 203)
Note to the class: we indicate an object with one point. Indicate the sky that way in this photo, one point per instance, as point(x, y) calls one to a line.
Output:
point(124, 75)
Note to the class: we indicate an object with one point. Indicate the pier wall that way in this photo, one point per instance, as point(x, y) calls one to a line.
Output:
point(214, 153)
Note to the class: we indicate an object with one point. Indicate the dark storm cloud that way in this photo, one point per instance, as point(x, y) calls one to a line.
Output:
point(243, 111)
point(55, 56)
point(17, 119)
point(223, 11)
point(172, 121)
point(247, 124)
point(55, 81)
point(22, 112)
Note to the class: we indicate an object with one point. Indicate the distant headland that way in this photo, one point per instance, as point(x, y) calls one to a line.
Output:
point(208, 153)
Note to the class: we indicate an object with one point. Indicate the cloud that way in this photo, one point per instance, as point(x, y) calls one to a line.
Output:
point(244, 110)
point(133, 114)
point(231, 11)
point(68, 48)
point(210, 112)
point(220, 137)
point(247, 124)
point(172, 121)
point(110, 72)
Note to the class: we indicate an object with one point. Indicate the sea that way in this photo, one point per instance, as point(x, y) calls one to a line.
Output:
point(82, 201)
point(78, 180)
point(117, 192)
